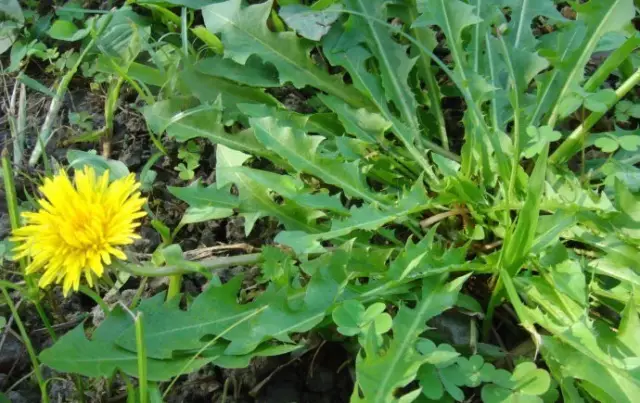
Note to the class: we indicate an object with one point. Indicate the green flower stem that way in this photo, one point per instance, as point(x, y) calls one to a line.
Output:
point(109, 112)
point(138, 295)
point(46, 132)
point(204, 265)
point(95, 297)
point(613, 61)
point(45, 320)
point(142, 358)
point(175, 284)
point(574, 142)
point(27, 343)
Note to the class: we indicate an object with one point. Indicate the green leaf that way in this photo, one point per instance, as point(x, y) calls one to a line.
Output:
point(253, 73)
point(606, 144)
point(308, 23)
point(520, 34)
point(392, 58)
point(627, 202)
point(348, 316)
point(36, 85)
point(210, 90)
point(301, 151)
point(367, 218)
point(610, 380)
point(100, 357)
point(519, 243)
point(67, 31)
point(185, 124)
point(198, 196)
point(12, 9)
point(380, 373)
point(125, 36)
point(538, 139)
point(530, 380)
point(255, 197)
point(600, 101)
point(626, 109)
point(79, 159)
point(442, 355)
point(244, 33)
point(452, 16)
point(361, 123)
point(577, 43)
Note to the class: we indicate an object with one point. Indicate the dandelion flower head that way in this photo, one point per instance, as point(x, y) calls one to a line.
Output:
point(79, 227)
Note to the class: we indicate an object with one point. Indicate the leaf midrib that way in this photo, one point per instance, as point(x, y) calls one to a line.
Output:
point(407, 113)
point(404, 346)
point(555, 74)
point(268, 205)
point(293, 155)
point(525, 4)
point(225, 139)
point(209, 202)
point(379, 221)
point(331, 87)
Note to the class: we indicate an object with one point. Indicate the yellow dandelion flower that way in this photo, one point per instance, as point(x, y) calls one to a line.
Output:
point(79, 226)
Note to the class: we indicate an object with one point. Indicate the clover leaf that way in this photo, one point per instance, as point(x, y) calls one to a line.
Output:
point(538, 138)
point(626, 110)
point(526, 384)
point(352, 318)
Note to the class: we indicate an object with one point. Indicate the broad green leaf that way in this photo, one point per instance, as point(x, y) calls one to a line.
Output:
point(308, 23)
point(361, 123)
point(196, 4)
point(67, 31)
point(392, 58)
point(272, 315)
point(381, 373)
point(127, 33)
point(452, 16)
point(626, 110)
point(611, 382)
point(100, 357)
point(348, 317)
point(79, 159)
point(627, 202)
point(12, 9)
point(301, 151)
point(209, 89)
point(600, 101)
point(137, 71)
point(538, 138)
point(255, 197)
point(561, 49)
point(523, 12)
point(185, 124)
point(365, 218)
point(324, 124)
point(387, 85)
point(244, 33)
point(253, 73)
point(629, 331)
point(205, 204)
point(198, 196)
